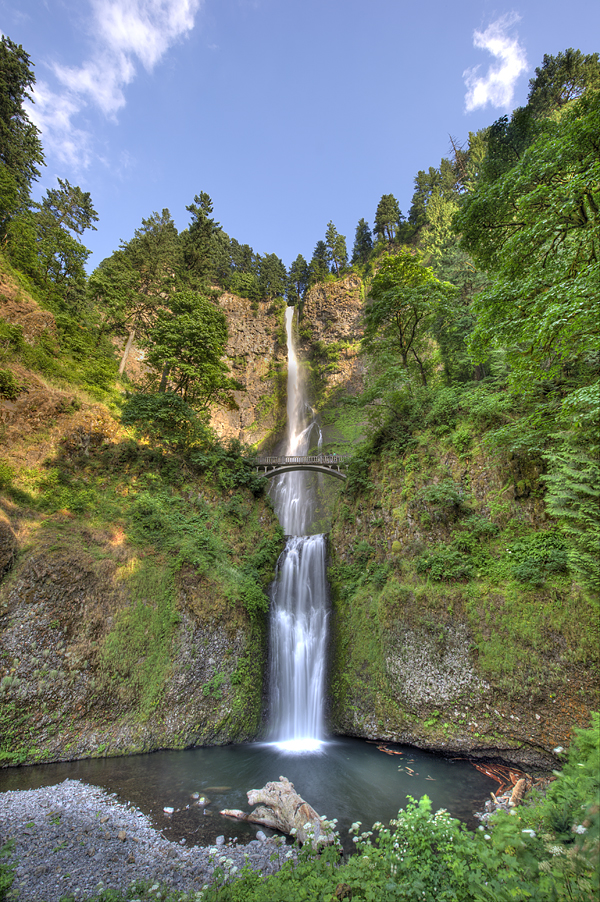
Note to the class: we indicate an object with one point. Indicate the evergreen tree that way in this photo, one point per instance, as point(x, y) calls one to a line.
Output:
point(60, 254)
point(387, 217)
point(200, 245)
point(562, 78)
point(298, 278)
point(363, 243)
point(20, 146)
point(319, 264)
point(336, 248)
point(243, 258)
point(444, 179)
point(132, 284)
point(272, 277)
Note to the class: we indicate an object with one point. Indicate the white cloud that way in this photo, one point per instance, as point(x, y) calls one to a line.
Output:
point(498, 85)
point(124, 33)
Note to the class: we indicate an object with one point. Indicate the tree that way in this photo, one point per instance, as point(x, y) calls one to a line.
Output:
point(243, 258)
point(186, 344)
point(200, 240)
point(538, 228)
point(562, 78)
point(61, 255)
point(405, 297)
point(387, 217)
point(336, 248)
point(134, 282)
point(443, 179)
point(272, 277)
point(319, 264)
point(363, 243)
point(20, 146)
point(70, 207)
point(298, 278)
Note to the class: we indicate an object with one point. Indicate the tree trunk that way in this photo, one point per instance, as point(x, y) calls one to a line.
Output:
point(164, 378)
point(283, 809)
point(126, 353)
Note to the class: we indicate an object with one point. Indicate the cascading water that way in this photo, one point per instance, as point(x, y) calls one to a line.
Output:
point(299, 615)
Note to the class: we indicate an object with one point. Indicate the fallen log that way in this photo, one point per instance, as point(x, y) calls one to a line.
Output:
point(281, 808)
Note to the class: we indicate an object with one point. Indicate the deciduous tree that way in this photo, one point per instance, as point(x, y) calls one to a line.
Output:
point(186, 344)
point(405, 298)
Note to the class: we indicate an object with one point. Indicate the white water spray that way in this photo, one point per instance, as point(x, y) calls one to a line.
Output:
point(299, 615)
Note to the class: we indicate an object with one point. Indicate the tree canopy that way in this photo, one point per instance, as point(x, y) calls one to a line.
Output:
point(21, 151)
point(387, 217)
point(186, 343)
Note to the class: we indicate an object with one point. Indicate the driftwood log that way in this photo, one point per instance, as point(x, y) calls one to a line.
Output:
point(281, 808)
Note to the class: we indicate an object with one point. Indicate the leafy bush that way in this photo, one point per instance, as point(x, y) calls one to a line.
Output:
point(447, 496)
point(462, 439)
point(444, 408)
point(9, 385)
point(486, 406)
point(167, 419)
point(358, 481)
point(446, 562)
point(535, 557)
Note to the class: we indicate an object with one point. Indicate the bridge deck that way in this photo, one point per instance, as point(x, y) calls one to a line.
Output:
point(284, 460)
point(331, 464)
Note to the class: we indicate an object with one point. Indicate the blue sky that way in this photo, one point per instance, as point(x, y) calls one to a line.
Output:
point(289, 113)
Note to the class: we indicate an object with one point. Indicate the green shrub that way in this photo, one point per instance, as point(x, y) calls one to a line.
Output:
point(462, 439)
point(167, 419)
point(9, 386)
point(447, 496)
point(6, 474)
point(446, 562)
point(6, 870)
point(444, 408)
point(213, 687)
point(534, 557)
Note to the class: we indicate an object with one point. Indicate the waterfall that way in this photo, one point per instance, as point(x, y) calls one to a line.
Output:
point(299, 614)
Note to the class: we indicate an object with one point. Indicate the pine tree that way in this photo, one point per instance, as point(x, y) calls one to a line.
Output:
point(363, 243)
point(20, 146)
point(387, 217)
point(319, 264)
point(562, 78)
point(336, 248)
point(298, 278)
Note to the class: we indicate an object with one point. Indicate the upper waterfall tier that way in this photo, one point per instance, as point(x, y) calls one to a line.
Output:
point(294, 504)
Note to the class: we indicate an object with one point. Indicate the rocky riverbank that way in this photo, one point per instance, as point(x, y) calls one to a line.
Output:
point(73, 838)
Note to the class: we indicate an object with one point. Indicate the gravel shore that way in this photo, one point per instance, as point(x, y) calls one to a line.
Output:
point(71, 837)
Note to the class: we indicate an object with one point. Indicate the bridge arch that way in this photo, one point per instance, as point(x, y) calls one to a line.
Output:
point(329, 464)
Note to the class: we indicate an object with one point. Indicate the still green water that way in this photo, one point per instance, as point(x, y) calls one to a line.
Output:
point(349, 779)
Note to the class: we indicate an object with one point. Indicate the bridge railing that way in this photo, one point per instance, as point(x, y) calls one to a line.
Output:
point(283, 460)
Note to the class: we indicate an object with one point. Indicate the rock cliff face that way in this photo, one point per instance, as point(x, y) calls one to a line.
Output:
point(257, 359)
point(476, 662)
point(329, 334)
point(131, 580)
point(64, 696)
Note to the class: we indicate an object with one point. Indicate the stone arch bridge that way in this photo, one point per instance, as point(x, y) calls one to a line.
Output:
point(331, 464)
